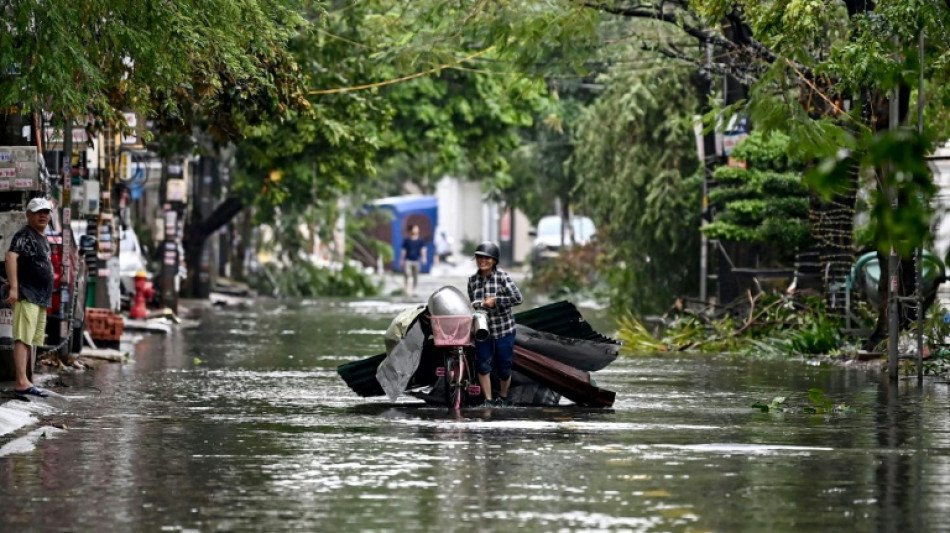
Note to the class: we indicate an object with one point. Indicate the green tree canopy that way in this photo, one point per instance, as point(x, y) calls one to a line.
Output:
point(764, 202)
point(635, 153)
point(225, 61)
point(389, 102)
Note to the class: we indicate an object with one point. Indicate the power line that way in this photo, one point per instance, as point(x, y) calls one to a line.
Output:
point(400, 79)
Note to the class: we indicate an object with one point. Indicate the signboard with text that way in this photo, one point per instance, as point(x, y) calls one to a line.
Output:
point(19, 169)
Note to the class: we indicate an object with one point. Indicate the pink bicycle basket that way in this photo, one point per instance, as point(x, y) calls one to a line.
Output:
point(453, 330)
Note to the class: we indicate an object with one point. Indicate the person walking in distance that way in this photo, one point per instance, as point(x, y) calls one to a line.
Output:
point(443, 247)
point(497, 294)
point(30, 278)
point(412, 257)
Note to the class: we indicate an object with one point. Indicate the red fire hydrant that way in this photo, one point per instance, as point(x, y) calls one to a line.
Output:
point(143, 291)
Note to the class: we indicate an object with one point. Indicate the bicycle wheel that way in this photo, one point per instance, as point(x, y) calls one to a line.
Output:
point(454, 379)
point(460, 381)
point(448, 378)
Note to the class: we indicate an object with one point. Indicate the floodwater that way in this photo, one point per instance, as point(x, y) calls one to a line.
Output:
point(242, 424)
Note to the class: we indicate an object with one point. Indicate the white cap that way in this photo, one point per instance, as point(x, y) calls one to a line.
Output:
point(38, 204)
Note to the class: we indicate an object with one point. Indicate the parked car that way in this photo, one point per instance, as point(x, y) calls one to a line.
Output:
point(548, 236)
point(66, 316)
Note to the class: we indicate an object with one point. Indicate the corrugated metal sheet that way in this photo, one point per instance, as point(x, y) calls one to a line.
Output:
point(560, 318)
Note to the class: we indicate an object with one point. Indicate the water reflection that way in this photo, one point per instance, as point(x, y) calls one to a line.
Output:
point(243, 424)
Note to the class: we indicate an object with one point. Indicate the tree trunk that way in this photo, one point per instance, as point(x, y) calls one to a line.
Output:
point(198, 231)
point(239, 252)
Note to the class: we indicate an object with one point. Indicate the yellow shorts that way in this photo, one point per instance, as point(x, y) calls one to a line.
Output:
point(29, 323)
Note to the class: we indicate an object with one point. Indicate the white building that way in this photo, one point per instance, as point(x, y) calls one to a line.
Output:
point(467, 216)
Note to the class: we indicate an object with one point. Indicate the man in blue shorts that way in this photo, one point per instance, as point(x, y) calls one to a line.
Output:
point(412, 257)
point(30, 277)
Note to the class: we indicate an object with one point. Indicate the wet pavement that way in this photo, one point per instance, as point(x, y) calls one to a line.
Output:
point(455, 274)
point(240, 423)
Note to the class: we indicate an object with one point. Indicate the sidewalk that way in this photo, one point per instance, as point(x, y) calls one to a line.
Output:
point(16, 414)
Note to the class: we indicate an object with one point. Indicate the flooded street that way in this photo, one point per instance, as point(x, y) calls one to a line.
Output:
point(242, 424)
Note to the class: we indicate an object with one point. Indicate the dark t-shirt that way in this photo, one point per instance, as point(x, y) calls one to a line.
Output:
point(34, 266)
point(413, 248)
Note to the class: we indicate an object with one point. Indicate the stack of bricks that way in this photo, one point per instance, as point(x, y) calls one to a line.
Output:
point(104, 325)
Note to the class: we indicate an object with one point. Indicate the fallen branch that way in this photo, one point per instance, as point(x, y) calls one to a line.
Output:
point(752, 320)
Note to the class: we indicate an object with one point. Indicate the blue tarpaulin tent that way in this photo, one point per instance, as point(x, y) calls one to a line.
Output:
point(407, 210)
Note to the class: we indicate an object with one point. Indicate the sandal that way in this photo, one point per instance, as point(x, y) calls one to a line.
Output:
point(32, 391)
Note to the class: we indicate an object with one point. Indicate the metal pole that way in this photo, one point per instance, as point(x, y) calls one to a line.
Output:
point(68, 304)
point(893, 325)
point(703, 240)
point(707, 150)
point(893, 265)
point(919, 291)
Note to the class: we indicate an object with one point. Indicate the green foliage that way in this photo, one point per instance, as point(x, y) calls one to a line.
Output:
point(392, 100)
point(818, 335)
point(789, 234)
point(777, 326)
point(818, 403)
point(766, 150)
point(314, 157)
point(764, 203)
point(636, 339)
point(221, 63)
point(634, 155)
point(305, 279)
point(573, 271)
point(938, 364)
point(540, 169)
point(775, 405)
point(727, 174)
point(787, 185)
point(458, 123)
point(730, 232)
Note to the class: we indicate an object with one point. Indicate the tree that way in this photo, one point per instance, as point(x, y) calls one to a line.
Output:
point(764, 202)
point(225, 61)
point(454, 123)
point(211, 68)
point(820, 71)
point(635, 155)
point(541, 174)
point(386, 107)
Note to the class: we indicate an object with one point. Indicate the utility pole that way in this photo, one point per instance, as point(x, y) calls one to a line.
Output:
point(107, 276)
point(174, 180)
point(706, 151)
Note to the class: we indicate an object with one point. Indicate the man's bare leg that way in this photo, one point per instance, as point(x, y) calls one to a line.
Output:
point(21, 361)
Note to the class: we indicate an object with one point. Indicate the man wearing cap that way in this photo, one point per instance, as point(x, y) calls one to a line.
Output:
point(30, 277)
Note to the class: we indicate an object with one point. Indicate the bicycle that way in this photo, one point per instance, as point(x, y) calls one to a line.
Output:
point(451, 332)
